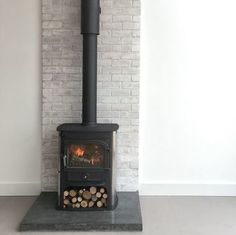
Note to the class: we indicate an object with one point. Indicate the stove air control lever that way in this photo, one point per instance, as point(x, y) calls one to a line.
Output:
point(65, 160)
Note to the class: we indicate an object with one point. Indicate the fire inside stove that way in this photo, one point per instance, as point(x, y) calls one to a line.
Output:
point(87, 155)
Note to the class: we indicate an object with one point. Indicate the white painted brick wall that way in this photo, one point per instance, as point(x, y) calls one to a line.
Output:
point(118, 80)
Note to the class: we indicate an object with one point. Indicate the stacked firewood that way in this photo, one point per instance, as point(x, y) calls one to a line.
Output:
point(86, 197)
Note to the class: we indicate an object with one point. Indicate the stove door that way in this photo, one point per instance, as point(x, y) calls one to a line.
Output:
point(86, 155)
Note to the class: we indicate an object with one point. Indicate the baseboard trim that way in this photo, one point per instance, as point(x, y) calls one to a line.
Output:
point(188, 189)
point(146, 189)
point(20, 188)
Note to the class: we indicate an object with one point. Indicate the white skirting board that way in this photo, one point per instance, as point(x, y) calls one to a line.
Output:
point(145, 189)
point(20, 188)
point(188, 189)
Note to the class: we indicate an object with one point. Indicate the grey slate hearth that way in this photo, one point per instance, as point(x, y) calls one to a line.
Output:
point(43, 216)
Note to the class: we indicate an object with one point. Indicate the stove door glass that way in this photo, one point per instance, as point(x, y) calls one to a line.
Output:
point(85, 155)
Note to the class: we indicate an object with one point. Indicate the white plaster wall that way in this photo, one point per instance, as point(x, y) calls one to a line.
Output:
point(188, 93)
point(20, 118)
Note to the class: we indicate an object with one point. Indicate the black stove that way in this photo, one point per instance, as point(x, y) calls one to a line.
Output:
point(87, 160)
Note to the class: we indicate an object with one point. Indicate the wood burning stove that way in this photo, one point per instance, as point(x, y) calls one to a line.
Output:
point(87, 166)
point(87, 160)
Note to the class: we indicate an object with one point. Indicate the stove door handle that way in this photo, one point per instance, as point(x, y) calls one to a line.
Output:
point(65, 160)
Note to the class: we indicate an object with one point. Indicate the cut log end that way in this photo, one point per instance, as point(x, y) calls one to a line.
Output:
point(91, 204)
point(84, 204)
point(74, 200)
point(80, 199)
point(94, 198)
point(66, 202)
point(98, 195)
point(72, 193)
point(102, 190)
point(87, 195)
point(99, 204)
point(93, 190)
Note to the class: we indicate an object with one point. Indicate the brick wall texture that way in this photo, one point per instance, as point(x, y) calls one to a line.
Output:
point(118, 80)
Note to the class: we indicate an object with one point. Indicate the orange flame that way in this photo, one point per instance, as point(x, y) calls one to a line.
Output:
point(79, 152)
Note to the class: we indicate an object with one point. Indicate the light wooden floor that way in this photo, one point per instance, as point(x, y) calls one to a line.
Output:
point(161, 215)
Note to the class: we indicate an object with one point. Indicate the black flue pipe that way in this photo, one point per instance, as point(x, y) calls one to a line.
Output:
point(90, 11)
